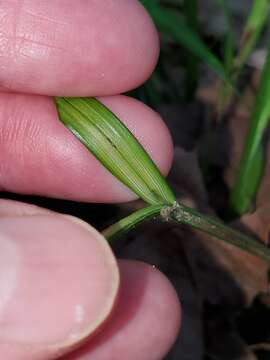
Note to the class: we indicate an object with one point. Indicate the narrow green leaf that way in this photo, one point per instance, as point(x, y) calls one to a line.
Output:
point(126, 224)
point(251, 163)
point(255, 23)
point(257, 19)
point(214, 227)
point(225, 91)
point(174, 25)
point(191, 217)
point(115, 146)
point(244, 192)
point(229, 38)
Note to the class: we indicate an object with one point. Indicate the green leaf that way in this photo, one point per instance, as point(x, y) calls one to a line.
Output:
point(173, 24)
point(131, 221)
point(215, 228)
point(257, 19)
point(251, 163)
point(245, 190)
point(255, 23)
point(229, 38)
point(115, 146)
point(191, 217)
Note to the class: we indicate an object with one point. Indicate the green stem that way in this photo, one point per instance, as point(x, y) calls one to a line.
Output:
point(253, 28)
point(251, 163)
point(255, 23)
point(131, 221)
point(213, 227)
point(188, 216)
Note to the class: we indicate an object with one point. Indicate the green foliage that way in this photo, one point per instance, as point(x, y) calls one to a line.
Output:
point(117, 149)
point(251, 165)
point(174, 25)
point(254, 25)
point(229, 43)
point(252, 160)
point(183, 29)
point(234, 66)
point(114, 145)
point(128, 223)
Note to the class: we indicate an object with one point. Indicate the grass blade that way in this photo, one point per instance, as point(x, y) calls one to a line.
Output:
point(255, 23)
point(124, 225)
point(251, 163)
point(229, 38)
point(215, 228)
point(114, 145)
point(191, 217)
point(225, 90)
point(173, 24)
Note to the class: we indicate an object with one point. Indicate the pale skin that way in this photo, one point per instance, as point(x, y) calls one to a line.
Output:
point(59, 282)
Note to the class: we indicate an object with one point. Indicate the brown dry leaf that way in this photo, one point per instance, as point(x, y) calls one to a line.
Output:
point(252, 274)
point(259, 222)
point(249, 272)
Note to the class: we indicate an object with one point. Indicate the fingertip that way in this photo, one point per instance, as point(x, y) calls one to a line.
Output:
point(145, 321)
point(93, 48)
point(59, 282)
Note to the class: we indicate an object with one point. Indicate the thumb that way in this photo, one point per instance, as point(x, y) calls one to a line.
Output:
point(58, 284)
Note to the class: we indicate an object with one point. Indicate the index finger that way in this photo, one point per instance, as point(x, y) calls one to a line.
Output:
point(81, 48)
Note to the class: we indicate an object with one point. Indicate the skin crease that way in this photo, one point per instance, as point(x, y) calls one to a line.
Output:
point(42, 54)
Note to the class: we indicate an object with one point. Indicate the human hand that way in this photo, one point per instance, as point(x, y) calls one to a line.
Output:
point(58, 278)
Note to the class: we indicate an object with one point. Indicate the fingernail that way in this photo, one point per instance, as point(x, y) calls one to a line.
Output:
point(58, 284)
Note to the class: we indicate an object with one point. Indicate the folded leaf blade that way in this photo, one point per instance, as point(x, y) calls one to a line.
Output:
point(114, 145)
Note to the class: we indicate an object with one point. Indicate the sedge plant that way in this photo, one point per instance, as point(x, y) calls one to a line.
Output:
point(182, 28)
point(119, 151)
point(250, 170)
